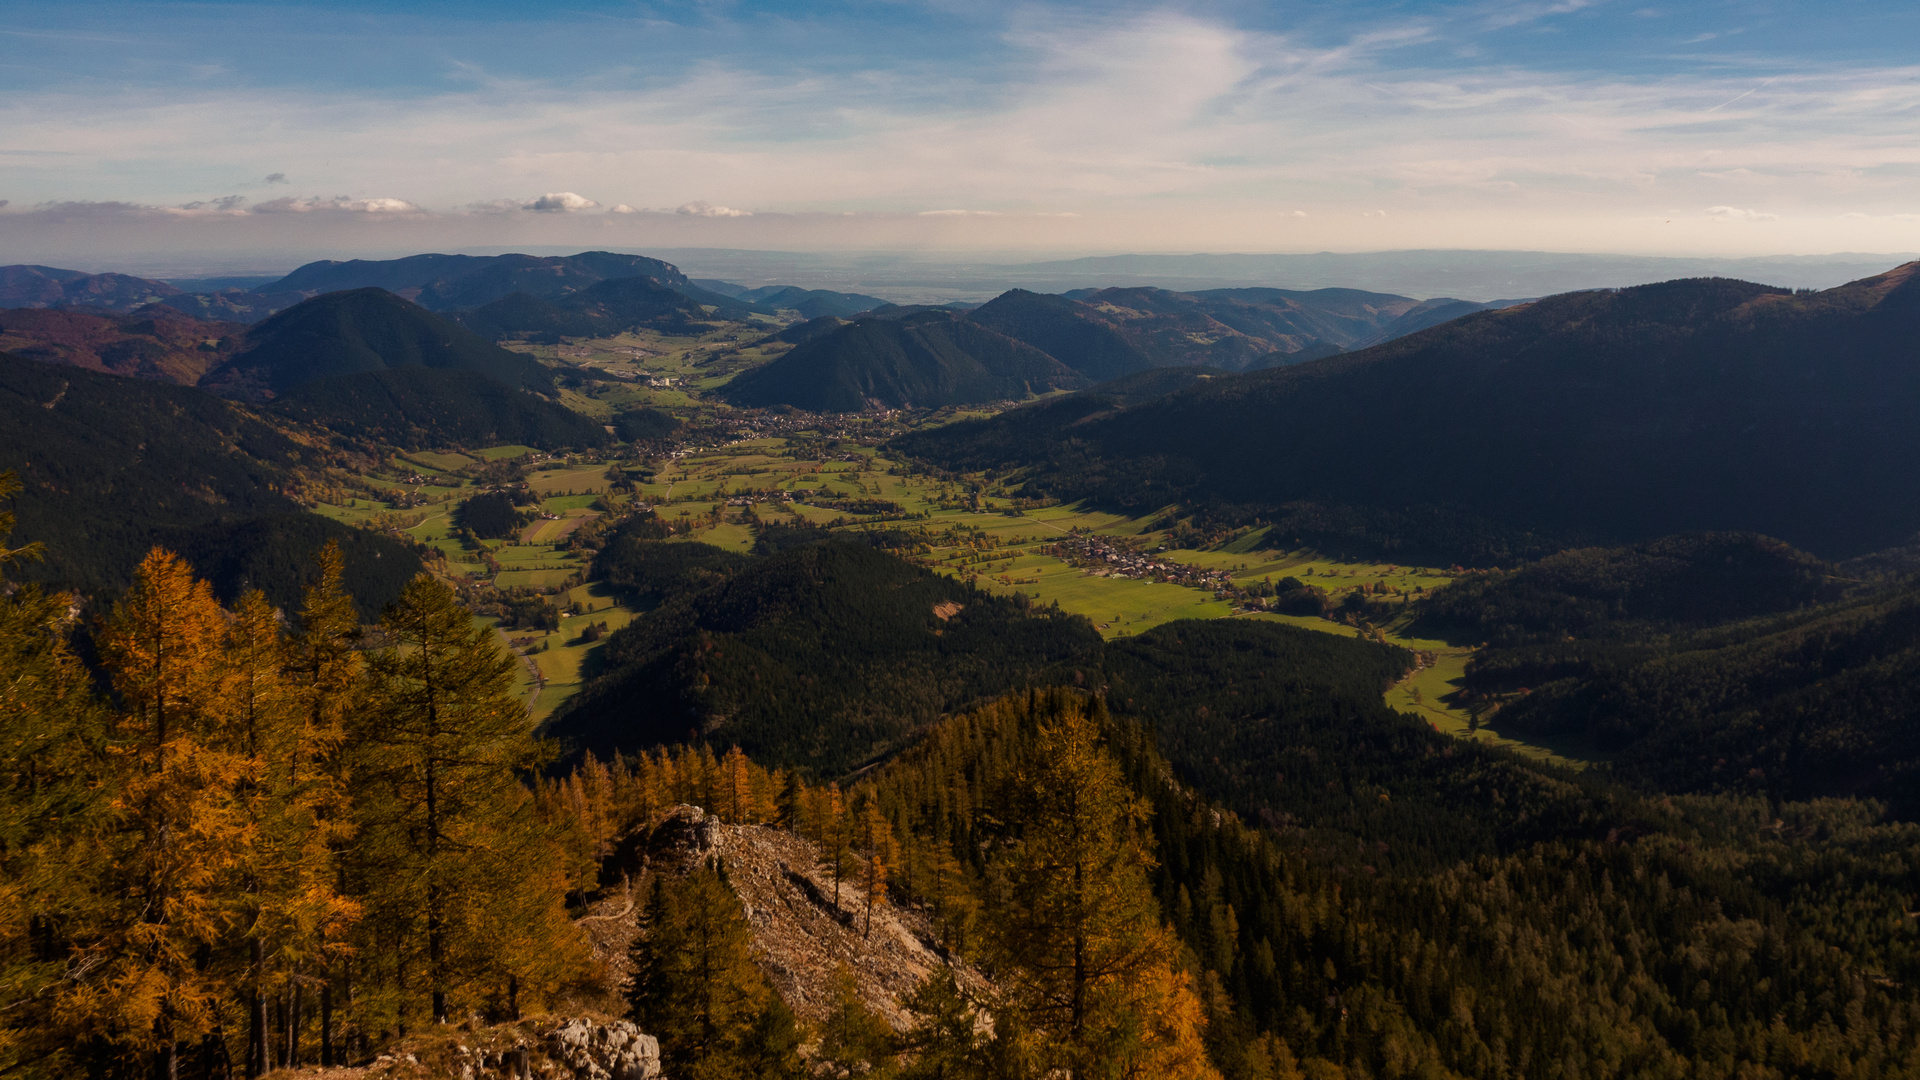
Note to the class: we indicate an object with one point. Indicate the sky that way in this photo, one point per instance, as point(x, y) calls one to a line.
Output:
point(1713, 127)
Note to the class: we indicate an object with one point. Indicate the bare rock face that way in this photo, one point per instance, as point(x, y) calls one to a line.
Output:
point(801, 936)
point(612, 1051)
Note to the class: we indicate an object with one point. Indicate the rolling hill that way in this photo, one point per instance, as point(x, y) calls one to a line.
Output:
point(169, 347)
point(360, 331)
point(822, 656)
point(1690, 405)
point(602, 309)
point(453, 282)
point(422, 407)
point(51, 287)
point(111, 466)
point(925, 360)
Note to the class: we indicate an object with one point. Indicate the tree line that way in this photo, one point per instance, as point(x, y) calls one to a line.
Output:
point(243, 841)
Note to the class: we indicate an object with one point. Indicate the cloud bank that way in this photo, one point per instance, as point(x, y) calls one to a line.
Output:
point(1148, 129)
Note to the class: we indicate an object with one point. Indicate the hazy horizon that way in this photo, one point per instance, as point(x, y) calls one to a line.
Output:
point(252, 129)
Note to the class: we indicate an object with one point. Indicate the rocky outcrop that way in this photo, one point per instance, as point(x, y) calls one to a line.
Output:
point(801, 938)
point(615, 1051)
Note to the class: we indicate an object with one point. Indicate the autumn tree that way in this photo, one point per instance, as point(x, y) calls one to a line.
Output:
point(52, 799)
point(945, 1040)
point(447, 835)
point(877, 851)
point(854, 1040)
point(1091, 970)
point(180, 832)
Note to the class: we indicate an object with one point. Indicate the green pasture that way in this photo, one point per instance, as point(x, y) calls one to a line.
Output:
point(496, 453)
point(442, 462)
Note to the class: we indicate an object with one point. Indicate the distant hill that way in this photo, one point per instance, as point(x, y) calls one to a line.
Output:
point(230, 304)
point(925, 360)
point(416, 407)
point(810, 303)
point(452, 282)
point(602, 309)
point(364, 330)
point(111, 466)
point(822, 657)
point(168, 347)
point(1710, 662)
point(51, 287)
point(1598, 416)
point(1430, 313)
point(1634, 593)
point(1073, 333)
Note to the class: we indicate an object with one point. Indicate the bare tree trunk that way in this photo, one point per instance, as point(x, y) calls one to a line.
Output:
point(293, 1020)
point(326, 1024)
point(256, 1017)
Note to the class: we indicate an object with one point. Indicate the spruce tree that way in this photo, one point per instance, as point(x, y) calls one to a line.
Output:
point(446, 828)
point(695, 986)
point(944, 1041)
point(854, 1041)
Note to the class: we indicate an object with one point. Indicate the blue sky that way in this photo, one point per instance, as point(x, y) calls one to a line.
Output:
point(1726, 126)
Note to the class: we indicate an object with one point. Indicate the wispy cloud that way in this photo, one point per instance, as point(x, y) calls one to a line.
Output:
point(1175, 124)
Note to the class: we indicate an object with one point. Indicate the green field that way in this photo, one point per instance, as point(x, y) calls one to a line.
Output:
point(495, 453)
point(995, 547)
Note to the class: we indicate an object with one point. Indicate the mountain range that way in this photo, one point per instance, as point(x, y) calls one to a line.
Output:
point(1610, 416)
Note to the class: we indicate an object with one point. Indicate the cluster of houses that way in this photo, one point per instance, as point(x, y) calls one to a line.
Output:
point(1097, 555)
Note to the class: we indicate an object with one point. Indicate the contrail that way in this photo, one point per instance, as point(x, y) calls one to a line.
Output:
point(1730, 101)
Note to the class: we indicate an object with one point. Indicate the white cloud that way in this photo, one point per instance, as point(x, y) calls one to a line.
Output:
point(307, 205)
point(1735, 213)
point(1164, 130)
point(559, 202)
point(703, 209)
point(275, 178)
point(959, 213)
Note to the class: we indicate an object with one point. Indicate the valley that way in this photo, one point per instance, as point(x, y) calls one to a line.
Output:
point(866, 598)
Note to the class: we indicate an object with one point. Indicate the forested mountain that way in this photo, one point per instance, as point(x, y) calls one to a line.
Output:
point(51, 287)
point(1704, 937)
point(452, 282)
point(1689, 405)
point(1070, 332)
point(417, 407)
point(603, 309)
point(161, 345)
point(359, 332)
point(809, 303)
point(1717, 662)
point(820, 657)
point(111, 466)
point(925, 360)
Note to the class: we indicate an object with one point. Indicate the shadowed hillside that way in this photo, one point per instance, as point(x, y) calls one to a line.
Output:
point(166, 346)
point(361, 331)
point(1690, 405)
point(925, 360)
point(111, 466)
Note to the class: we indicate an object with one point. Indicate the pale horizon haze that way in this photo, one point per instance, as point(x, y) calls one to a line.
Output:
point(263, 131)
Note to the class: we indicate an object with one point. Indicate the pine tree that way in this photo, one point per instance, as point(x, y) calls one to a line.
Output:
point(945, 1041)
point(694, 984)
point(1092, 971)
point(447, 832)
point(835, 846)
point(854, 1041)
point(52, 799)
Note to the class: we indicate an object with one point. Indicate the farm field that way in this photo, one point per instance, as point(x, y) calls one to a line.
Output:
point(968, 528)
